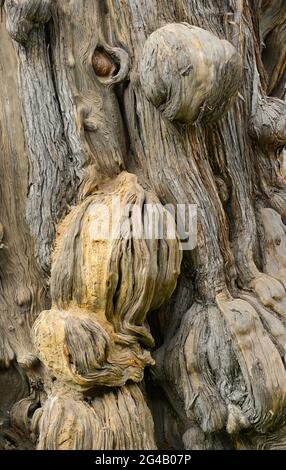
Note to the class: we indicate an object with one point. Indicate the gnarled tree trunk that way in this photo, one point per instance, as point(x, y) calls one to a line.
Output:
point(131, 342)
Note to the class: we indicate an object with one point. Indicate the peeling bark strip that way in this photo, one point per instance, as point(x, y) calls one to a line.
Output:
point(52, 175)
point(171, 101)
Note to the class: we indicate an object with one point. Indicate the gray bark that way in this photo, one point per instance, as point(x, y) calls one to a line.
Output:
point(165, 102)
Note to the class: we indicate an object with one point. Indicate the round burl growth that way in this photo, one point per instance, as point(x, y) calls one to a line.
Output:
point(114, 262)
point(189, 74)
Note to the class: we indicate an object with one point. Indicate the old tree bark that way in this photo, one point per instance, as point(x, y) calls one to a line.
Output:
point(131, 343)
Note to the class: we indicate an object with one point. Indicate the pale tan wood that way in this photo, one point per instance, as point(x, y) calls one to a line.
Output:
point(165, 102)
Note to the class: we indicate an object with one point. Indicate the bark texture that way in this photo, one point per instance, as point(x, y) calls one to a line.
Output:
point(152, 102)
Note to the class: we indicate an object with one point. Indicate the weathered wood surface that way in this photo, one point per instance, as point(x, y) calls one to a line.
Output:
point(173, 101)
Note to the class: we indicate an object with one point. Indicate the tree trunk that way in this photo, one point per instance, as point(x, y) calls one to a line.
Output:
point(132, 342)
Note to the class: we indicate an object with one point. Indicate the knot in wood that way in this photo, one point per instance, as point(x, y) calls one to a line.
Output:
point(102, 64)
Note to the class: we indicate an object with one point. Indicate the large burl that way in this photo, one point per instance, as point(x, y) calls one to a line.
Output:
point(189, 73)
point(103, 285)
